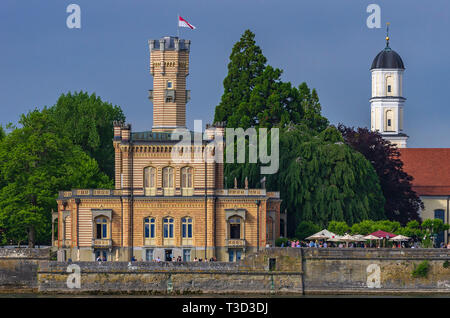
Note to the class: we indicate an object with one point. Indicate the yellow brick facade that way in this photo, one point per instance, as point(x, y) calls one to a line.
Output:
point(224, 223)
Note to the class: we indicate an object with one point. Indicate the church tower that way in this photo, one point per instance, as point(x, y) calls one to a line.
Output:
point(169, 66)
point(387, 100)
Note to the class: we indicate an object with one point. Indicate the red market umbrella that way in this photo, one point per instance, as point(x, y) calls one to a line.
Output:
point(383, 234)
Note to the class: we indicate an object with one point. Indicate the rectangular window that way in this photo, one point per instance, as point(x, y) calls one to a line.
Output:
point(230, 255)
point(104, 233)
point(238, 255)
point(235, 231)
point(99, 231)
point(389, 88)
point(152, 230)
point(190, 230)
point(168, 230)
point(389, 122)
point(146, 230)
point(149, 255)
point(186, 255)
point(184, 229)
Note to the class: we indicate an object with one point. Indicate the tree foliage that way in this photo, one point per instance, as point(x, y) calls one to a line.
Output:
point(305, 229)
point(320, 178)
point(88, 122)
point(36, 162)
point(2, 133)
point(255, 96)
point(402, 203)
point(338, 227)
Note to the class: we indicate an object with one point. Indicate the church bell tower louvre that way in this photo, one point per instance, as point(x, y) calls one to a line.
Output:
point(387, 101)
point(169, 66)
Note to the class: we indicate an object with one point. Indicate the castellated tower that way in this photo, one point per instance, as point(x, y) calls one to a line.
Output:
point(169, 66)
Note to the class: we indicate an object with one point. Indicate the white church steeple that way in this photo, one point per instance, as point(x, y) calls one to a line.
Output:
point(387, 99)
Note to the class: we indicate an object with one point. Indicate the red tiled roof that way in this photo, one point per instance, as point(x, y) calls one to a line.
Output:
point(430, 168)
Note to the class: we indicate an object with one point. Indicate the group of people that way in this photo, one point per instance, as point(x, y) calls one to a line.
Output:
point(378, 244)
point(179, 259)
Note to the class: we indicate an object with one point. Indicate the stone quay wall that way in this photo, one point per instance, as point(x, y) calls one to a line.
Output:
point(19, 267)
point(271, 271)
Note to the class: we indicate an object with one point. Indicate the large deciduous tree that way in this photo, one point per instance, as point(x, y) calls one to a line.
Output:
point(322, 179)
point(88, 122)
point(402, 203)
point(36, 162)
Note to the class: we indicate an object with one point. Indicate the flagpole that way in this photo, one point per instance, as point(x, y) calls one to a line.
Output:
point(178, 27)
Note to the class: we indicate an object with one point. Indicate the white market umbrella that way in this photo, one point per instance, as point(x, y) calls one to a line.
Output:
point(400, 238)
point(371, 237)
point(359, 238)
point(336, 238)
point(322, 235)
point(348, 238)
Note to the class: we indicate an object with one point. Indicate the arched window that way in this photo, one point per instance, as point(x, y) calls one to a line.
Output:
point(186, 227)
point(168, 179)
point(101, 227)
point(187, 181)
point(150, 181)
point(389, 121)
point(235, 227)
point(168, 228)
point(149, 228)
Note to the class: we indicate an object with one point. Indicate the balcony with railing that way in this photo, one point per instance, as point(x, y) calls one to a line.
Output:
point(101, 243)
point(235, 242)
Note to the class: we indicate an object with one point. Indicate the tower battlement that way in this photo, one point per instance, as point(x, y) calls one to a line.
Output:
point(170, 43)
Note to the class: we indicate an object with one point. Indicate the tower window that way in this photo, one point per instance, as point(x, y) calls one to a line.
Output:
point(170, 95)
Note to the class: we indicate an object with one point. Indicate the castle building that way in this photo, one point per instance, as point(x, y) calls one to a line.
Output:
point(387, 101)
point(160, 207)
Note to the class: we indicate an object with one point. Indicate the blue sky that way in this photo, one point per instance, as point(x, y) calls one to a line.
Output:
point(325, 43)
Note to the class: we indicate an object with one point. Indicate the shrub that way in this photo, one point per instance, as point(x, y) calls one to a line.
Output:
point(338, 227)
point(446, 264)
point(421, 270)
point(305, 229)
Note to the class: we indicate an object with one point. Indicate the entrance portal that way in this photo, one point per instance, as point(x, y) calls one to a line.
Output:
point(169, 255)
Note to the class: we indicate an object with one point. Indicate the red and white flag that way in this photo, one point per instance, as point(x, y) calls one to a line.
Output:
point(184, 24)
